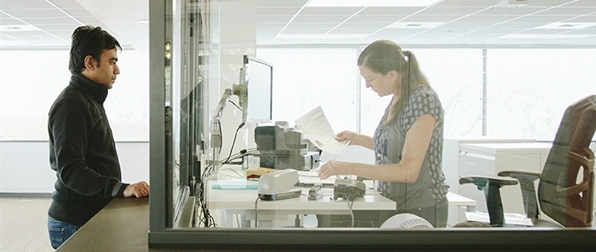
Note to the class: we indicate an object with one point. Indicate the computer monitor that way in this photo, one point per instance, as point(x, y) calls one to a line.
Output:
point(258, 80)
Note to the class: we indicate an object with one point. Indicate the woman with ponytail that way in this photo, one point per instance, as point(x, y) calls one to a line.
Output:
point(408, 141)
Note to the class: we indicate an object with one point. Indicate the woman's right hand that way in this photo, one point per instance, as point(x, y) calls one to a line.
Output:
point(355, 139)
point(346, 135)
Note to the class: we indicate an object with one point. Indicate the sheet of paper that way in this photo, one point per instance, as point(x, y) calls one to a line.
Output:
point(510, 218)
point(312, 177)
point(317, 129)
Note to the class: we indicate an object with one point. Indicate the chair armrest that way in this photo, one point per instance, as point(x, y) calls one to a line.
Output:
point(491, 185)
point(526, 182)
point(520, 175)
point(483, 181)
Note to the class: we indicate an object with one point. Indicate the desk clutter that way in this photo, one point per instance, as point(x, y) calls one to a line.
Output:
point(284, 197)
point(257, 172)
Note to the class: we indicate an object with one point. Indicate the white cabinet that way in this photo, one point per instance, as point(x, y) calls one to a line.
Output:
point(451, 167)
point(490, 159)
point(451, 150)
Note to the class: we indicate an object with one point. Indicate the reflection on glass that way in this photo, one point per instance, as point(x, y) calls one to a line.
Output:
point(228, 196)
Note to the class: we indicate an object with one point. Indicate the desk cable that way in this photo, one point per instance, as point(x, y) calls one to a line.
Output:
point(242, 153)
point(234, 142)
point(203, 215)
point(256, 212)
point(350, 201)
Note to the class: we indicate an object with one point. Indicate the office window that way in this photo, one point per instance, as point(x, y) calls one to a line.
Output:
point(456, 75)
point(529, 89)
point(304, 78)
point(31, 81)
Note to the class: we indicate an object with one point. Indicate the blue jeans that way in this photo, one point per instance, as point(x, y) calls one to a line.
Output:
point(60, 231)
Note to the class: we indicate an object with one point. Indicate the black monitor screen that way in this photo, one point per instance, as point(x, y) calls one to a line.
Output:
point(259, 78)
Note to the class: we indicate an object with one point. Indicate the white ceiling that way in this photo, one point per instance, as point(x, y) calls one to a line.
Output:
point(477, 23)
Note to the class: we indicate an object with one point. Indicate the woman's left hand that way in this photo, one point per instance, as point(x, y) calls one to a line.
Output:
point(331, 168)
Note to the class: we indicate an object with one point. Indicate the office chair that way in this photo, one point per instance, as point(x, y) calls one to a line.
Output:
point(566, 184)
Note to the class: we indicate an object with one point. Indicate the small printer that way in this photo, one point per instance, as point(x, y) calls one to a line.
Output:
point(280, 184)
point(348, 189)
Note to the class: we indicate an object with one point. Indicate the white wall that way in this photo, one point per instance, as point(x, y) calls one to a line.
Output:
point(25, 165)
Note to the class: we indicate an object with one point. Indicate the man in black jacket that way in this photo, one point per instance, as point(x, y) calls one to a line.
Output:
point(82, 148)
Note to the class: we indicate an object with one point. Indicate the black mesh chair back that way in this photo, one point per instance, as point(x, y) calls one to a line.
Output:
point(566, 187)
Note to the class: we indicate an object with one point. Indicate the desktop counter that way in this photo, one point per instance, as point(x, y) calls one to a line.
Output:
point(123, 225)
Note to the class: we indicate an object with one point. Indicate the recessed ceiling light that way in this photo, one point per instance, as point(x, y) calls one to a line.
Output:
point(566, 25)
point(546, 36)
point(414, 25)
point(371, 3)
point(18, 28)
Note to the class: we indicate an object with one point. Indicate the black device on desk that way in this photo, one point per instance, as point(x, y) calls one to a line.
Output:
point(281, 147)
point(348, 189)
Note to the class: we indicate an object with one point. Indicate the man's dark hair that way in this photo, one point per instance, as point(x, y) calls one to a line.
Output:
point(89, 40)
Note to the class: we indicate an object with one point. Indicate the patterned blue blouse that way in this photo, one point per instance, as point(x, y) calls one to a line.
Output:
point(389, 141)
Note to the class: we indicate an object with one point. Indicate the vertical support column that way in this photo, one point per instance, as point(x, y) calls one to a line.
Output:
point(157, 199)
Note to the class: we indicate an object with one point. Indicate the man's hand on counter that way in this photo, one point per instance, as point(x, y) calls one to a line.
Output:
point(139, 190)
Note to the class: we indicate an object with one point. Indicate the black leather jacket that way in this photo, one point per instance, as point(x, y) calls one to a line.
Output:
point(82, 152)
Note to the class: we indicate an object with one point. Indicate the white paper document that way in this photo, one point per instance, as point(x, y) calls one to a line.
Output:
point(510, 218)
point(312, 177)
point(317, 129)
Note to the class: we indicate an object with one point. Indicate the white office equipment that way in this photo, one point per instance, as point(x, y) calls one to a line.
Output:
point(279, 185)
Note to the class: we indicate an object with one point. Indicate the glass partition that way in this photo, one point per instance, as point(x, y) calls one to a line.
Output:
point(218, 181)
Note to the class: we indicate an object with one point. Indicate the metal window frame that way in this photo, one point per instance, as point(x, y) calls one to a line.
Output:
point(161, 234)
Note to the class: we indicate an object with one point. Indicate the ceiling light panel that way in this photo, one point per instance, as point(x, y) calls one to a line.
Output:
point(18, 28)
point(566, 25)
point(547, 36)
point(370, 3)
